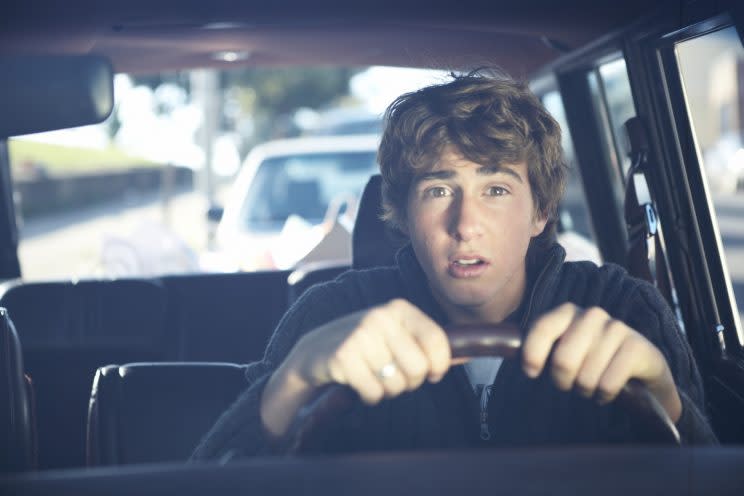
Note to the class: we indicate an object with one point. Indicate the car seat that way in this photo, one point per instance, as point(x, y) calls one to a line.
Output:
point(69, 329)
point(156, 412)
point(17, 416)
point(374, 244)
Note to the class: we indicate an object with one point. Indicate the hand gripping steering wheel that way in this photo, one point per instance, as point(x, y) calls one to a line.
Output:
point(305, 434)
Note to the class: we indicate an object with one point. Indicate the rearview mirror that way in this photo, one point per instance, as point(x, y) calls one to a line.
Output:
point(737, 12)
point(47, 92)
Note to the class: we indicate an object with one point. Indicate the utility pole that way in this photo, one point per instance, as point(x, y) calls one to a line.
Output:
point(205, 90)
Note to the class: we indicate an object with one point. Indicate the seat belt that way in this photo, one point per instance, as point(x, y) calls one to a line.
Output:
point(646, 257)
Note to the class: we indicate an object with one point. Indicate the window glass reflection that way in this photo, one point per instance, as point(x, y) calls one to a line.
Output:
point(712, 70)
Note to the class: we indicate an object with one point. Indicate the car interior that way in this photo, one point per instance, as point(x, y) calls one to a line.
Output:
point(107, 385)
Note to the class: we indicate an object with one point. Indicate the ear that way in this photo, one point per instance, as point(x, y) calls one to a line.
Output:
point(538, 224)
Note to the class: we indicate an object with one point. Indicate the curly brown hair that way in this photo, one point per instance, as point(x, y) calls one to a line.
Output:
point(489, 119)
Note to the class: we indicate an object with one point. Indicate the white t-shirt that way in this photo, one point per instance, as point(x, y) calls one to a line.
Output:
point(482, 371)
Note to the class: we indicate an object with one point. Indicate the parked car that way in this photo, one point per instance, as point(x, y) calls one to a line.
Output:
point(345, 121)
point(288, 196)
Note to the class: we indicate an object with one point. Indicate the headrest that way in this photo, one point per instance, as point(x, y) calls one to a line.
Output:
point(16, 416)
point(88, 314)
point(156, 412)
point(373, 243)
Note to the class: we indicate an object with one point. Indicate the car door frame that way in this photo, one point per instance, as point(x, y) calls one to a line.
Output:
point(704, 288)
point(675, 179)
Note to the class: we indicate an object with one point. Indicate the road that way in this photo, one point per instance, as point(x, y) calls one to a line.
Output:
point(109, 240)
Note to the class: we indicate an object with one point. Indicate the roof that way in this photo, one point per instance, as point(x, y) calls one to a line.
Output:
point(153, 35)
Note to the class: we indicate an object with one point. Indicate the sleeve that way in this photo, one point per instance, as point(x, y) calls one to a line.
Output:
point(239, 431)
point(652, 316)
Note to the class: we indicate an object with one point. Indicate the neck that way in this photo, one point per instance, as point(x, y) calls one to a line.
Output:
point(495, 310)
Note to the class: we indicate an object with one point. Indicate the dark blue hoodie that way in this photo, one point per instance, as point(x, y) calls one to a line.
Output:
point(446, 415)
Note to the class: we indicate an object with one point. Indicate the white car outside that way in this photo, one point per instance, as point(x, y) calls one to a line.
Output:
point(288, 196)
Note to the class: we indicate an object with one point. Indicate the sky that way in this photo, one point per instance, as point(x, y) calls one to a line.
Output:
point(378, 86)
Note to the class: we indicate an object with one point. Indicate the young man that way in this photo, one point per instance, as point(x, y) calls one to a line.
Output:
point(472, 175)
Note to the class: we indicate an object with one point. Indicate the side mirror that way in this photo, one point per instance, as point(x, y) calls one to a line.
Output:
point(214, 213)
point(46, 92)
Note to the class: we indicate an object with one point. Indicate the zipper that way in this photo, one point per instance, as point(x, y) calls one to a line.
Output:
point(480, 406)
point(485, 395)
point(485, 392)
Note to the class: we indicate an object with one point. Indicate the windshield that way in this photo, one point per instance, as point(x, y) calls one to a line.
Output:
point(304, 185)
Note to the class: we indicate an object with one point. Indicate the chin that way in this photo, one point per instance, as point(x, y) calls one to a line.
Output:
point(465, 297)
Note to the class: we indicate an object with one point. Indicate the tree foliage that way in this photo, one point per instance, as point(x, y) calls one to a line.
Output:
point(284, 90)
point(267, 97)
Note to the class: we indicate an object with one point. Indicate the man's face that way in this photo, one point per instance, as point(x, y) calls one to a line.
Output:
point(470, 225)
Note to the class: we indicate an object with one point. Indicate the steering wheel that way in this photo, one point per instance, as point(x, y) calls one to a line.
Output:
point(305, 434)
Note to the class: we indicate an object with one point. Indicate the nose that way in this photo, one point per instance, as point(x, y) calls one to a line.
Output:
point(466, 219)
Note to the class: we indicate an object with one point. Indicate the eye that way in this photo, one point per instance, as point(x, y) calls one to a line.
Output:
point(497, 191)
point(436, 192)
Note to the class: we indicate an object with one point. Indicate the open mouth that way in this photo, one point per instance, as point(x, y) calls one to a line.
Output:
point(468, 262)
point(467, 266)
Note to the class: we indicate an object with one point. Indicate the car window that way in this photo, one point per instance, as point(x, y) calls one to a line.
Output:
point(574, 200)
point(129, 197)
point(613, 106)
point(712, 71)
point(304, 185)
point(620, 108)
point(122, 198)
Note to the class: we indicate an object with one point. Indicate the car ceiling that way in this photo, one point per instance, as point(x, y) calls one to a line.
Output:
point(142, 36)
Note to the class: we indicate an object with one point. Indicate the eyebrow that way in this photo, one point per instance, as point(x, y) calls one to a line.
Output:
point(485, 170)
